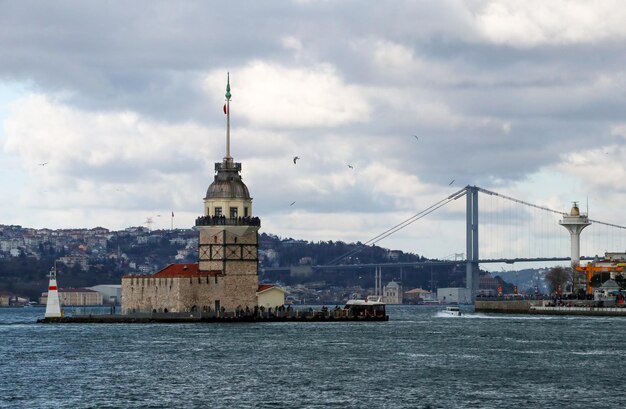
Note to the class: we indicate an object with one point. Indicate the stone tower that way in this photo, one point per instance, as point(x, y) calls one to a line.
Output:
point(228, 233)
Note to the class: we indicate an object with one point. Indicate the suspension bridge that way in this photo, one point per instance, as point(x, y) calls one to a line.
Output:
point(502, 229)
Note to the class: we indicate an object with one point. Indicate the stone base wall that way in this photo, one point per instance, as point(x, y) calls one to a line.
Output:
point(240, 290)
point(180, 294)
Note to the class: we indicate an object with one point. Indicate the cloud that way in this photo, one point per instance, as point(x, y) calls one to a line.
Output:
point(529, 23)
point(272, 95)
point(125, 105)
point(101, 161)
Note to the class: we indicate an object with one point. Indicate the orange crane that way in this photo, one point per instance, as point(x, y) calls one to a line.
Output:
point(591, 269)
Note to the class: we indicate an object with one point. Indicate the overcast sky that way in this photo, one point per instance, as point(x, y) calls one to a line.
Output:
point(123, 101)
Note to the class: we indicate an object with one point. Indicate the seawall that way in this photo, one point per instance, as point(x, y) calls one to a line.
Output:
point(504, 306)
point(537, 307)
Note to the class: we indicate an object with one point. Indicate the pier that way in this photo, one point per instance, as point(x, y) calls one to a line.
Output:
point(339, 315)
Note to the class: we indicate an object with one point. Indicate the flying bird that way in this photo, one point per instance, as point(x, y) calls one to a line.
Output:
point(42, 164)
point(295, 158)
point(450, 184)
point(351, 167)
point(292, 203)
point(416, 137)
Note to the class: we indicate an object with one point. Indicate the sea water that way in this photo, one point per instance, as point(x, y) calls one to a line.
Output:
point(420, 358)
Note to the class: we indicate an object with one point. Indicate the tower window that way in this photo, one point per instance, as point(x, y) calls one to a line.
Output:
point(245, 211)
point(233, 212)
point(218, 211)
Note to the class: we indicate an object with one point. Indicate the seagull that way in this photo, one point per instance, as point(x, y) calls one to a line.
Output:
point(295, 158)
point(416, 137)
point(450, 184)
point(292, 203)
point(351, 167)
point(42, 164)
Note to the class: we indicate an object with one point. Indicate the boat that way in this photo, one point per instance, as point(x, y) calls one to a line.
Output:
point(372, 308)
point(453, 310)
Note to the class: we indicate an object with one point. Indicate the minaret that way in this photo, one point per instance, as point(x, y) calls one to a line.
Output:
point(228, 233)
point(575, 223)
point(53, 307)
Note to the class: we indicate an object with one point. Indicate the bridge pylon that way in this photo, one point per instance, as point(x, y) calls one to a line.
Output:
point(472, 280)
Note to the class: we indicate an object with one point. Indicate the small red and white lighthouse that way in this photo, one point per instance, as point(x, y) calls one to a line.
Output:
point(53, 307)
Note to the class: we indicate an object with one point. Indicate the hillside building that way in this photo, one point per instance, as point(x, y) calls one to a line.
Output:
point(74, 297)
point(392, 293)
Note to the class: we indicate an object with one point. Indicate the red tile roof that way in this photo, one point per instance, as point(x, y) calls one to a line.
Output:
point(264, 287)
point(178, 270)
point(267, 287)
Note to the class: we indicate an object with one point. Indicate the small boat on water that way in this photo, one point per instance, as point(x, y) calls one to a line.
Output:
point(372, 308)
point(453, 310)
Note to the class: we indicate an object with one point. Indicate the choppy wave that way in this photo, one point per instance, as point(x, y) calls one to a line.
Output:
point(417, 359)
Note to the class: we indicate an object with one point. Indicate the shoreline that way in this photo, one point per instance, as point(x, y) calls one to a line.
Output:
point(129, 319)
point(537, 307)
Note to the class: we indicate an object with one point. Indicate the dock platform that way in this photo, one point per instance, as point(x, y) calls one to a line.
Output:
point(129, 319)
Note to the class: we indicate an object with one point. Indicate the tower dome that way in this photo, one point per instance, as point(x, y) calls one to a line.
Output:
point(227, 184)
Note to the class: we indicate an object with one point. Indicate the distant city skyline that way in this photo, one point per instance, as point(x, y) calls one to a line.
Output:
point(111, 115)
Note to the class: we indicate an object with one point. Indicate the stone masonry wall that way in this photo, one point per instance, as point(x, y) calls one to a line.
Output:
point(179, 294)
point(233, 249)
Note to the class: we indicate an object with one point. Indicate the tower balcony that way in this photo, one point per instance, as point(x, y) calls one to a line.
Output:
point(228, 165)
point(225, 221)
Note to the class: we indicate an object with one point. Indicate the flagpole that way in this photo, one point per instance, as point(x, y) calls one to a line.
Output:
point(228, 116)
point(172, 222)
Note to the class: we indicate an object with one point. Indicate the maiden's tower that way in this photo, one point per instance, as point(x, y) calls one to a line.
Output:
point(226, 275)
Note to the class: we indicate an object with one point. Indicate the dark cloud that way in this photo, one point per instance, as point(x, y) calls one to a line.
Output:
point(486, 111)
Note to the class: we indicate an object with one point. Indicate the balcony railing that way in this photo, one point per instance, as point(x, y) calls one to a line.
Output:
point(224, 221)
point(228, 166)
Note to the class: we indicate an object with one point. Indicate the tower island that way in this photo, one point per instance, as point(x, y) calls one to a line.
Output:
point(223, 285)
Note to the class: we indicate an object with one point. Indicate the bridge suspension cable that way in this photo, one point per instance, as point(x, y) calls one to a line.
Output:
point(500, 220)
point(560, 213)
point(401, 225)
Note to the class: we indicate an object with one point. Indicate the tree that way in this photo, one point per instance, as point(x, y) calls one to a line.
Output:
point(557, 277)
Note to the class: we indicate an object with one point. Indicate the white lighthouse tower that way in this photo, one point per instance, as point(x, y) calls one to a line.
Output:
point(53, 307)
point(575, 223)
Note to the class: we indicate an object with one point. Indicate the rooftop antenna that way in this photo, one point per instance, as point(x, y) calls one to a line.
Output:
point(148, 223)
